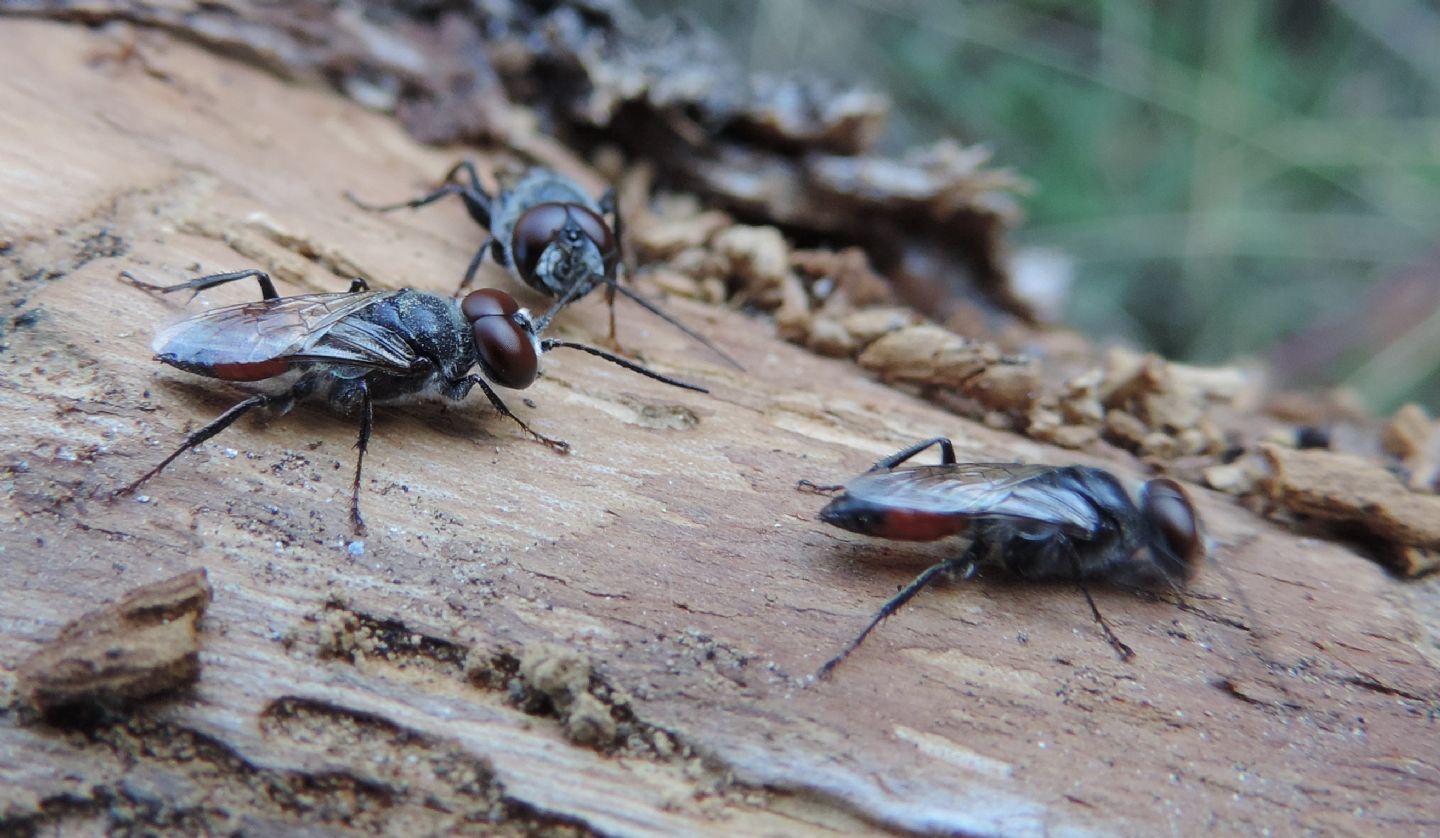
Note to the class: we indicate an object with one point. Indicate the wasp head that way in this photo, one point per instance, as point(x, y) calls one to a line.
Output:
point(1174, 538)
point(557, 246)
point(505, 342)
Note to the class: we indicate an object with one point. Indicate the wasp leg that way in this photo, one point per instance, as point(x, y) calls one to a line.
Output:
point(414, 203)
point(608, 204)
point(216, 425)
point(947, 454)
point(474, 266)
point(461, 388)
point(613, 338)
point(612, 287)
point(477, 200)
point(358, 285)
point(367, 421)
point(1125, 652)
point(267, 288)
point(965, 566)
point(817, 489)
point(553, 343)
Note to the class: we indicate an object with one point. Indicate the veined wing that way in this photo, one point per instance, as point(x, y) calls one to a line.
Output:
point(297, 328)
point(363, 343)
point(979, 490)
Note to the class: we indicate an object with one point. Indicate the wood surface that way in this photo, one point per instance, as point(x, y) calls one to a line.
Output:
point(615, 641)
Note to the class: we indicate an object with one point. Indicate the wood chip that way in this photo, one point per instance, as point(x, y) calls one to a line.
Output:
point(1413, 438)
point(757, 256)
point(1351, 490)
point(144, 644)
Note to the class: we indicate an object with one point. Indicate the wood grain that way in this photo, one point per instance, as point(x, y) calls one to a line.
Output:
point(666, 573)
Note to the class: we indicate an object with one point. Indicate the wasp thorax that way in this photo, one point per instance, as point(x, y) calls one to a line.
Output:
point(1176, 528)
point(504, 340)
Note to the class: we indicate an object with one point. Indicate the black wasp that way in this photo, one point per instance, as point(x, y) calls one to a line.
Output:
point(357, 349)
point(548, 232)
point(1037, 521)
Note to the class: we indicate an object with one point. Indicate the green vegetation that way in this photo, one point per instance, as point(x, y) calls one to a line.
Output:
point(1223, 174)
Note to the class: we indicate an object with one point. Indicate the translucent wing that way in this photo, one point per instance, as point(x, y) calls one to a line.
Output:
point(356, 341)
point(980, 490)
point(307, 327)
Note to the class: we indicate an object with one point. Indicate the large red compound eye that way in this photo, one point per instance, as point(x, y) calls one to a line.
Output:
point(566, 224)
point(594, 226)
point(1175, 524)
point(503, 343)
point(535, 230)
point(488, 302)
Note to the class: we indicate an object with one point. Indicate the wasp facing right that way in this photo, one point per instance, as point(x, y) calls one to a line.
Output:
point(548, 233)
point(1036, 521)
point(360, 348)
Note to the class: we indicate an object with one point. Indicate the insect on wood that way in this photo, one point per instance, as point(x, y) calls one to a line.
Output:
point(360, 348)
point(548, 233)
point(1036, 521)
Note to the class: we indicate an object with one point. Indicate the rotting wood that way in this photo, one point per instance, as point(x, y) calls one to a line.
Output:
point(383, 686)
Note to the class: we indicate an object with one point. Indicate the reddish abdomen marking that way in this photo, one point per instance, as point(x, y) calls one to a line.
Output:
point(256, 371)
point(909, 525)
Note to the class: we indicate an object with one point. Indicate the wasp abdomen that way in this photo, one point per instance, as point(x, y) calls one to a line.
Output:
point(257, 371)
point(867, 518)
point(242, 371)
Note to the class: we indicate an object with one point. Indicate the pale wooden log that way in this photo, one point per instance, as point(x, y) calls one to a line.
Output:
point(369, 690)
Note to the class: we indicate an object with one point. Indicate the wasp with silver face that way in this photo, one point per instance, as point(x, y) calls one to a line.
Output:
point(548, 232)
point(360, 348)
point(1036, 521)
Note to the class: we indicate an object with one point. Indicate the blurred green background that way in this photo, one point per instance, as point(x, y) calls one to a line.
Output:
point(1225, 179)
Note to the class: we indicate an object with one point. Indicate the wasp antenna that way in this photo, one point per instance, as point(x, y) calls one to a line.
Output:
point(565, 299)
point(552, 343)
point(1257, 633)
point(691, 333)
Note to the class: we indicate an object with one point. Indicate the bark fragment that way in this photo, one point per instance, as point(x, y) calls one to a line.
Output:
point(145, 644)
point(1361, 494)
